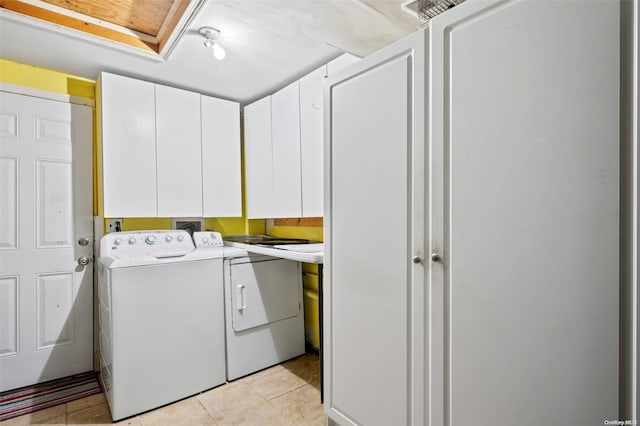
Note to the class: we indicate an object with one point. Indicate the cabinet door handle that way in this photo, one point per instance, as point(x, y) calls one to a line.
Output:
point(241, 302)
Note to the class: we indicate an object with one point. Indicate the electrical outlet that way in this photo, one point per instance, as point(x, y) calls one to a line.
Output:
point(114, 225)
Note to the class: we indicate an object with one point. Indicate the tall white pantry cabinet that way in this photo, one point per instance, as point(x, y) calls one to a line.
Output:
point(486, 146)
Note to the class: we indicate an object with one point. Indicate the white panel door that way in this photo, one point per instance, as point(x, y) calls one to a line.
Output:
point(221, 174)
point(312, 142)
point(285, 145)
point(179, 152)
point(46, 208)
point(127, 126)
point(527, 123)
point(374, 292)
point(258, 162)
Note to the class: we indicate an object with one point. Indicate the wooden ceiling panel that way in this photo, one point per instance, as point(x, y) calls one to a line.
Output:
point(145, 16)
point(152, 20)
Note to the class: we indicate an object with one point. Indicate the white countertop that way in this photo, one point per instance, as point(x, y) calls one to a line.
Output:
point(302, 255)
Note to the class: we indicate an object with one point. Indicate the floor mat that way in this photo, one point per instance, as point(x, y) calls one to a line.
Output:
point(25, 400)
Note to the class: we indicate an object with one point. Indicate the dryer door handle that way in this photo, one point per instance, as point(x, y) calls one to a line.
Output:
point(241, 301)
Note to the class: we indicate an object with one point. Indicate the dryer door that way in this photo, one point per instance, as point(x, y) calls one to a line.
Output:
point(264, 292)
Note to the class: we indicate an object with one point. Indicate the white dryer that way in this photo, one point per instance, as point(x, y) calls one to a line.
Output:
point(264, 312)
point(264, 316)
point(161, 319)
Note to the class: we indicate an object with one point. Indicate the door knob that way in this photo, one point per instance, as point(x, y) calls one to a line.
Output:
point(435, 257)
point(84, 241)
point(84, 260)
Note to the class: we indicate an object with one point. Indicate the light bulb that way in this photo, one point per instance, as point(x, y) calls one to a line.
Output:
point(218, 52)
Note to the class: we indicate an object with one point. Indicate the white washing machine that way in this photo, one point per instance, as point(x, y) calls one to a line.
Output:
point(161, 319)
point(263, 311)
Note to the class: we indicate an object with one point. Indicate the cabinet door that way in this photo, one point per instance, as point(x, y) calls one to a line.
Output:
point(258, 164)
point(374, 292)
point(178, 152)
point(221, 176)
point(285, 146)
point(128, 138)
point(312, 142)
point(526, 122)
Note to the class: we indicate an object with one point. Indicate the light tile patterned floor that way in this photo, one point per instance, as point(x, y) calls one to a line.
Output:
point(284, 395)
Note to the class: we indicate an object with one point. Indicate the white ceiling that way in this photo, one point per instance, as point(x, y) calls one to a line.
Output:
point(269, 43)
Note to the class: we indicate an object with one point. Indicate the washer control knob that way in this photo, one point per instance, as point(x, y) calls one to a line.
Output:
point(168, 238)
point(205, 239)
point(180, 238)
point(151, 240)
point(117, 241)
point(132, 241)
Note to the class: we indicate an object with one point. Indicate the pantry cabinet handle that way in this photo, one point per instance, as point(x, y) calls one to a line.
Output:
point(241, 302)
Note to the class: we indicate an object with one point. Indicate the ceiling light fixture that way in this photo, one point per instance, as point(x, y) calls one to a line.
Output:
point(211, 36)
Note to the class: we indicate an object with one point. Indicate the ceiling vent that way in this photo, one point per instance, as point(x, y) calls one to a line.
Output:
point(427, 9)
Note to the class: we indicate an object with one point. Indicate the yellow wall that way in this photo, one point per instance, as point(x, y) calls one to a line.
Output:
point(311, 307)
point(44, 79)
point(226, 225)
point(142, 223)
point(235, 225)
point(312, 233)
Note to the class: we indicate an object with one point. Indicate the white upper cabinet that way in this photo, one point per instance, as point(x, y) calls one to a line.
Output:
point(311, 142)
point(179, 166)
point(165, 153)
point(272, 155)
point(258, 158)
point(127, 133)
point(221, 175)
point(285, 149)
